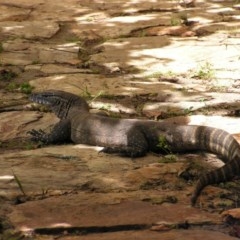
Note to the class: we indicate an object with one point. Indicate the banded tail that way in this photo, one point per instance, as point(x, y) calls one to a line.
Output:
point(223, 143)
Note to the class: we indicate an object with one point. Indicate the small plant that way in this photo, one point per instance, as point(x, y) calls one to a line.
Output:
point(18, 183)
point(163, 145)
point(100, 93)
point(205, 71)
point(26, 88)
point(85, 93)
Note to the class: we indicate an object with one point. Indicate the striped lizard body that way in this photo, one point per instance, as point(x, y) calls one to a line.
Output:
point(133, 137)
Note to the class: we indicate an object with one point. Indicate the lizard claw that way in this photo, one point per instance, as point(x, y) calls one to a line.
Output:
point(37, 135)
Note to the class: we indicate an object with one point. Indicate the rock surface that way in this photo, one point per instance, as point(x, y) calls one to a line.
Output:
point(154, 60)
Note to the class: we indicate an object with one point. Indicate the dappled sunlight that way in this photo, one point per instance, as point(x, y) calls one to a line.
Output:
point(6, 177)
point(59, 77)
point(67, 45)
point(218, 9)
point(91, 18)
point(60, 225)
point(117, 107)
point(84, 146)
point(131, 19)
point(7, 29)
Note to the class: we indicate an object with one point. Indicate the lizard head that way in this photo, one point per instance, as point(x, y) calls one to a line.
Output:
point(61, 103)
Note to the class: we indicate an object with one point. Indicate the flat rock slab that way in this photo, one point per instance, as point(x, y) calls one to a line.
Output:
point(10, 130)
point(95, 84)
point(101, 210)
point(13, 13)
point(30, 30)
point(161, 54)
point(142, 235)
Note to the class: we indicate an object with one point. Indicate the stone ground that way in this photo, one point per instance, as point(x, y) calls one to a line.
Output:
point(145, 59)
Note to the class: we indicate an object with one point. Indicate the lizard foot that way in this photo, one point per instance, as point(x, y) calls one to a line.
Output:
point(39, 135)
point(126, 152)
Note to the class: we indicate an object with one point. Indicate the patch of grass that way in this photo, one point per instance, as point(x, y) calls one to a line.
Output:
point(205, 72)
point(86, 93)
point(24, 87)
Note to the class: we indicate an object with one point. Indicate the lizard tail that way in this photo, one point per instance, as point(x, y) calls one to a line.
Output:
point(223, 174)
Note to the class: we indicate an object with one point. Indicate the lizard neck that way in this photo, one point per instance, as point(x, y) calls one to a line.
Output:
point(79, 106)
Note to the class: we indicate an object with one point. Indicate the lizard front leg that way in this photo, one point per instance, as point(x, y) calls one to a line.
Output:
point(60, 133)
